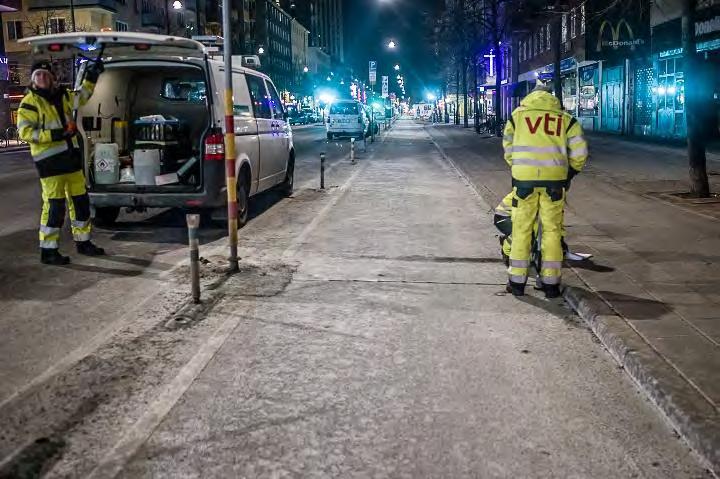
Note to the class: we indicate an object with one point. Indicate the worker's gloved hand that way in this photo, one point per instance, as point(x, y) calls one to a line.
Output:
point(70, 130)
point(93, 71)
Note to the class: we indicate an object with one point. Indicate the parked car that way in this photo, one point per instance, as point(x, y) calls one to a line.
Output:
point(347, 119)
point(312, 115)
point(164, 98)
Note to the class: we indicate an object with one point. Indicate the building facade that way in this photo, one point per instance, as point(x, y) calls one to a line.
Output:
point(324, 20)
point(299, 40)
point(622, 69)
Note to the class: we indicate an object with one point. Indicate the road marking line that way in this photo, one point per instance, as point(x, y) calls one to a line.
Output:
point(115, 460)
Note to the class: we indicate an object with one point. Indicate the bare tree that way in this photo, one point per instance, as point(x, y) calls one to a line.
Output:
point(695, 105)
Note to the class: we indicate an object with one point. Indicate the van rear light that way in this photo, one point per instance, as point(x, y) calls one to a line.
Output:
point(214, 147)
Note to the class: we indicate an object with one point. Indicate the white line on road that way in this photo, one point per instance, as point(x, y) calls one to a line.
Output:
point(122, 452)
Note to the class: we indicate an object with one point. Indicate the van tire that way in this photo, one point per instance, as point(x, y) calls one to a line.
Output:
point(243, 198)
point(329, 136)
point(286, 187)
point(106, 215)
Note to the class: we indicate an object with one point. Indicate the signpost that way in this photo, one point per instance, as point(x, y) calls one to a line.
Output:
point(373, 73)
point(384, 87)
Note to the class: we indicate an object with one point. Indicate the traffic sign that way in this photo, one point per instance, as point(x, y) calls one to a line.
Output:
point(373, 72)
point(384, 87)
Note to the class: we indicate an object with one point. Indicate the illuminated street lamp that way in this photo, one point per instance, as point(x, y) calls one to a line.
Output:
point(176, 5)
point(261, 50)
point(306, 69)
point(392, 45)
point(397, 67)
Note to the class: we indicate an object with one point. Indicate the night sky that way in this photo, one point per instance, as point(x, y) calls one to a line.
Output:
point(369, 24)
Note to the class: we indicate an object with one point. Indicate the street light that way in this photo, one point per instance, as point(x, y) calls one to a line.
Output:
point(392, 45)
point(261, 50)
point(306, 69)
point(176, 5)
point(397, 68)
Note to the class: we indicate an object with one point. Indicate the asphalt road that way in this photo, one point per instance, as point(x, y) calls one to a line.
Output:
point(48, 312)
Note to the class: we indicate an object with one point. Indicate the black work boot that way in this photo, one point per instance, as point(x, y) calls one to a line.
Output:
point(551, 291)
point(88, 248)
point(517, 289)
point(52, 256)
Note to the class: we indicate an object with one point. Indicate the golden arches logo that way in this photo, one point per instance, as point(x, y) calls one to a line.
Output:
point(616, 43)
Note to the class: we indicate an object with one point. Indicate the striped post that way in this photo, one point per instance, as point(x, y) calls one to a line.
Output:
point(230, 143)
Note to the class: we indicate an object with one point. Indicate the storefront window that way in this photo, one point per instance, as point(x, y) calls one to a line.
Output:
point(569, 86)
point(589, 92)
point(670, 98)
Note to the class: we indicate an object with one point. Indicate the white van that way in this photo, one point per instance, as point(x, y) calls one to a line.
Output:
point(347, 118)
point(160, 100)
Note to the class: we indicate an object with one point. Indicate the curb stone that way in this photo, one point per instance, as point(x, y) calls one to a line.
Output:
point(688, 411)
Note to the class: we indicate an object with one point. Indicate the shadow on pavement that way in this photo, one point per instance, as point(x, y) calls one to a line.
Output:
point(23, 277)
point(590, 265)
point(634, 308)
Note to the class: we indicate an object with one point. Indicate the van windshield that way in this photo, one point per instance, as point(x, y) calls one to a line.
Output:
point(344, 109)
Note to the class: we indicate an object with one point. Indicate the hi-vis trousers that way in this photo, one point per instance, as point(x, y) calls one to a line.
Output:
point(528, 205)
point(55, 191)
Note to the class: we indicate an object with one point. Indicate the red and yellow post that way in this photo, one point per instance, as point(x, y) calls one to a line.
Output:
point(230, 143)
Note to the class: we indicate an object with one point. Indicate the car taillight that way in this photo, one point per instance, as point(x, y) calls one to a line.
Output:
point(214, 147)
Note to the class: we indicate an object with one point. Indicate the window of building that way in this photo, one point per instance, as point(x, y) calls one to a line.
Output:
point(180, 19)
point(548, 43)
point(582, 19)
point(564, 31)
point(121, 26)
point(541, 39)
point(15, 30)
point(521, 51)
point(573, 23)
point(57, 25)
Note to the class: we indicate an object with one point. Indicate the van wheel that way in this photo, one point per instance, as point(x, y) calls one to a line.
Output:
point(330, 136)
point(107, 215)
point(286, 187)
point(243, 201)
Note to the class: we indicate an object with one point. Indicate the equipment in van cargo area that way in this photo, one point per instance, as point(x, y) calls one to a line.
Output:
point(106, 163)
point(146, 165)
point(156, 128)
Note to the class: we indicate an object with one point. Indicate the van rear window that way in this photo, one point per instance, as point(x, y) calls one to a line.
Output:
point(344, 109)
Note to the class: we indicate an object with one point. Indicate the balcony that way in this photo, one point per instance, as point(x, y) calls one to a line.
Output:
point(153, 19)
point(65, 4)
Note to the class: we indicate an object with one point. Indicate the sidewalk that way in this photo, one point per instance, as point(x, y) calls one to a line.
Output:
point(392, 351)
point(652, 293)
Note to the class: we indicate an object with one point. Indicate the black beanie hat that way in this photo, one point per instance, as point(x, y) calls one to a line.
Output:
point(42, 65)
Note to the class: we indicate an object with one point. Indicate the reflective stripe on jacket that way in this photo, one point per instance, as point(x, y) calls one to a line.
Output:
point(41, 124)
point(541, 141)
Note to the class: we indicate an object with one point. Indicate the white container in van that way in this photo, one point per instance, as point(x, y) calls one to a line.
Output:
point(106, 163)
point(146, 165)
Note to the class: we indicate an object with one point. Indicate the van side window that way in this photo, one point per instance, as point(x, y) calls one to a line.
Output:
point(259, 96)
point(276, 104)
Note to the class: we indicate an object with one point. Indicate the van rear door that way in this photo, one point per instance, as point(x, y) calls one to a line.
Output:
point(113, 44)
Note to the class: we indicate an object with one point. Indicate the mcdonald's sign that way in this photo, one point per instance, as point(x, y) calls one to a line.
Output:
point(622, 32)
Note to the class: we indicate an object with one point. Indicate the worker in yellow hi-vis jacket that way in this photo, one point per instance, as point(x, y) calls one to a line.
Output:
point(45, 121)
point(544, 147)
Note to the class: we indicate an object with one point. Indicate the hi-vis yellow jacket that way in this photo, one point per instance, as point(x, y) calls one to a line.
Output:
point(42, 118)
point(543, 143)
